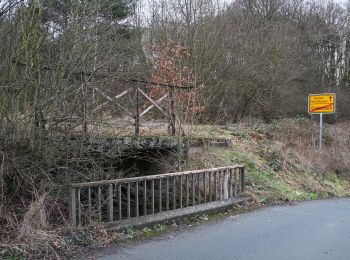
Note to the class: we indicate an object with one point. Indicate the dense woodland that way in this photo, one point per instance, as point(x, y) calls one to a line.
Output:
point(243, 59)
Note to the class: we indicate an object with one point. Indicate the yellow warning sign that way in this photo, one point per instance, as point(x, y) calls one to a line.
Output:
point(322, 103)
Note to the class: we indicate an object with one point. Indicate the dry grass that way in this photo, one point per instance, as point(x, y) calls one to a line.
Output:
point(283, 160)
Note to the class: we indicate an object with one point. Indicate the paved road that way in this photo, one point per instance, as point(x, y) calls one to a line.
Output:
point(310, 230)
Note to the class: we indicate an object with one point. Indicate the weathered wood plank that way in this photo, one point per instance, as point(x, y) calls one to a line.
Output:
point(167, 194)
point(152, 195)
point(137, 198)
point(110, 203)
point(174, 193)
point(79, 208)
point(215, 187)
point(210, 187)
point(199, 188)
point(152, 106)
point(109, 100)
point(242, 179)
point(160, 196)
point(144, 197)
point(205, 187)
point(120, 201)
point(193, 191)
point(180, 186)
point(128, 201)
point(73, 209)
point(235, 191)
point(187, 193)
point(112, 100)
point(152, 101)
point(99, 204)
point(89, 205)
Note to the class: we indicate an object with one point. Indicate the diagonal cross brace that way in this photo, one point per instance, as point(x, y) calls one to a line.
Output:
point(152, 106)
point(111, 100)
point(152, 101)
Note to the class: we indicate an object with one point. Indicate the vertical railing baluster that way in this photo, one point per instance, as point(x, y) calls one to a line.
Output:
point(73, 209)
point(174, 192)
point(225, 184)
point(220, 186)
point(242, 179)
point(120, 201)
point(152, 195)
point(89, 205)
point(167, 194)
point(79, 208)
point(128, 200)
point(145, 198)
point(199, 188)
point(110, 203)
point(230, 183)
point(210, 187)
point(205, 187)
point(193, 191)
point(187, 193)
point(235, 176)
point(99, 203)
point(180, 191)
point(160, 195)
point(137, 199)
point(215, 187)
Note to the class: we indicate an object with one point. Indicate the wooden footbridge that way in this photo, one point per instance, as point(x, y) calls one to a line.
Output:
point(138, 109)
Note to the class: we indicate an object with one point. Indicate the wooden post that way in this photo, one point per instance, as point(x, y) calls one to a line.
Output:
point(199, 188)
point(89, 205)
point(220, 186)
point(152, 196)
point(128, 200)
point(215, 187)
point(230, 183)
point(180, 191)
point(187, 194)
point(110, 203)
point(225, 184)
point(120, 201)
point(210, 188)
point(235, 191)
point(174, 192)
point(137, 112)
point(145, 198)
point(205, 188)
point(160, 195)
point(73, 210)
point(242, 179)
point(167, 194)
point(137, 199)
point(79, 208)
point(99, 203)
point(193, 191)
point(172, 111)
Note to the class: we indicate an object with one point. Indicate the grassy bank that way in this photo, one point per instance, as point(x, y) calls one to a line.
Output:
point(282, 159)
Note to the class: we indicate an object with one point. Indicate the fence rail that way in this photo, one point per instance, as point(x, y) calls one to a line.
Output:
point(113, 200)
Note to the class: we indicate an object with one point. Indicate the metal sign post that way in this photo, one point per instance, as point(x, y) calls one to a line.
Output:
point(322, 104)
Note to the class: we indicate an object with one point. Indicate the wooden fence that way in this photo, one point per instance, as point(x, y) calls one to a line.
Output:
point(113, 200)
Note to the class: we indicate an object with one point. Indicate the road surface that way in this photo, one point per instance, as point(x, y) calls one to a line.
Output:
point(310, 230)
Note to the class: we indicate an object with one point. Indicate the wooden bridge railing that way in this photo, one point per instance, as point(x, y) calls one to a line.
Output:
point(114, 200)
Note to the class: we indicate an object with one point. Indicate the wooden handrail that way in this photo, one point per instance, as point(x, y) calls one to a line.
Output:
point(151, 177)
